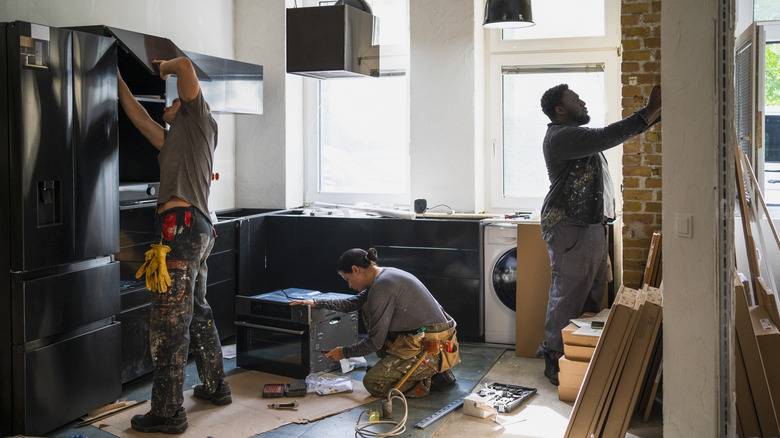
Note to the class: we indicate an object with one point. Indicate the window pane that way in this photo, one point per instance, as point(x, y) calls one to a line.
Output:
point(766, 10)
point(524, 124)
point(772, 124)
point(363, 136)
point(562, 19)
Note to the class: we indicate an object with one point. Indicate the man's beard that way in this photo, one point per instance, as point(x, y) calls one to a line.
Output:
point(582, 119)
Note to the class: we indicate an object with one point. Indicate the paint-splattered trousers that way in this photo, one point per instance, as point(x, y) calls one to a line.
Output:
point(181, 319)
point(578, 258)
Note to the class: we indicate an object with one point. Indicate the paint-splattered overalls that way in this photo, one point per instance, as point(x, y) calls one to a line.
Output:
point(181, 319)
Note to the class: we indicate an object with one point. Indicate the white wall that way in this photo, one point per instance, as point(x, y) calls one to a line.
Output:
point(269, 172)
point(445, 141)
point(200, 26)
point(690, 75)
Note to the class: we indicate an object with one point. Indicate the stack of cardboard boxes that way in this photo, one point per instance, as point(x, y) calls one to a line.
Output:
point(578, 350)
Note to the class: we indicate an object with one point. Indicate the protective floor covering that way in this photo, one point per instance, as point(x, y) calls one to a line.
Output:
point(249, 414)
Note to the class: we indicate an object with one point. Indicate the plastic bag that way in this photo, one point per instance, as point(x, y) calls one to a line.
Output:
point(328, 385)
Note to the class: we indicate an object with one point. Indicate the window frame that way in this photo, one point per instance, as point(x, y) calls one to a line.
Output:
point(545, 52)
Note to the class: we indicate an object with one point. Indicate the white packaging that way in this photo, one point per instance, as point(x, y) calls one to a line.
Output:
point(477, 406)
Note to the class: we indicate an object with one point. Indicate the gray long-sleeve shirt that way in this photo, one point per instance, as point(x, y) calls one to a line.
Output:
point(574, 166)
point(397, 302)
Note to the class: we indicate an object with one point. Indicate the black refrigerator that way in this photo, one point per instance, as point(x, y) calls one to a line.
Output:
point(59, 219)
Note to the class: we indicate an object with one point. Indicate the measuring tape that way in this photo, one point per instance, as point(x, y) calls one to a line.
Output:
point(441, 412)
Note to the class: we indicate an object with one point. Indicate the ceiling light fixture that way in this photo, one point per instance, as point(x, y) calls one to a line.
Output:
point(506, 14)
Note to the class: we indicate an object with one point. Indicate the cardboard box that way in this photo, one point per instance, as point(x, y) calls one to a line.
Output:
point(570, 380)
point(746, 409)
point(568, 394)
point(578, 352)
point(607, 361)
point(768, 338)
point(533, 289)
point(569, 366)
point(754, 366)
point(637, 361)
point(569, 336)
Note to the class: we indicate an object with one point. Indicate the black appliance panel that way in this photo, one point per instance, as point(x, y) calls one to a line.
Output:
point(275, 305)
point(54, 385)
point(95, 143)
point(57, 304)
point(274, 337)
point(289, 349)
point(273, 347)
point(41, 154)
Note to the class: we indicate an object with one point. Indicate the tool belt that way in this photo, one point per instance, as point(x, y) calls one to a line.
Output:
point(409, 345)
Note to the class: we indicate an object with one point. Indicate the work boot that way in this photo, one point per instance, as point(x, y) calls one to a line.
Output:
point(443, 380)
point(151, 423)
point(220, 397)
point(551, 366)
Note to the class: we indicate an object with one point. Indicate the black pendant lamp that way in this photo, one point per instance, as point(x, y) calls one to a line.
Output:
point(506, 14)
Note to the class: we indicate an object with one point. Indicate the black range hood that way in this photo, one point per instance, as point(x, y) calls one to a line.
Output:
point(228, 86)
point(144, 48)
point(327, 42)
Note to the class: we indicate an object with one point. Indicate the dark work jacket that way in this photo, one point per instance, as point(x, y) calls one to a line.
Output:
point(574, 167)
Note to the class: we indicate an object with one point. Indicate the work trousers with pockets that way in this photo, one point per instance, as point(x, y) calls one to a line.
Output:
point(181, 318)
point(578, 258)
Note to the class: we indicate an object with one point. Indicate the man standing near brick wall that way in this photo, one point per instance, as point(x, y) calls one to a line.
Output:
point(580, 201)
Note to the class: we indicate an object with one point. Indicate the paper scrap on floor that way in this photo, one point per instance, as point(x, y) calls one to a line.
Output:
point(229, 351)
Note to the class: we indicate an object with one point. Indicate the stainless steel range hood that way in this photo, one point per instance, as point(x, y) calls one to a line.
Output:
point(328, 42)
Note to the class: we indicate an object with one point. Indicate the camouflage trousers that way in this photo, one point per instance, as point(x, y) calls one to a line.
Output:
point(181, 319)
point(383, 376)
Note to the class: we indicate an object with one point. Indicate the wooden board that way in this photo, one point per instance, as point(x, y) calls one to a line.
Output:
point(650, 275)
point(605, 365)
point(638, 360)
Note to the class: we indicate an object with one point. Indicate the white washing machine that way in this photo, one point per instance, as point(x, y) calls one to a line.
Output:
point(500, 280)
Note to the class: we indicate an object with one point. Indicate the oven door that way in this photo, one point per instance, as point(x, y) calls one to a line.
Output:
point(274, 347)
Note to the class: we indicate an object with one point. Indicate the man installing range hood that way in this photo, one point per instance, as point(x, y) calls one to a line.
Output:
point(338, 41)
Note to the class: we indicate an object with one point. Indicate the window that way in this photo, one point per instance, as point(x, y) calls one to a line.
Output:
point(359, 148)
point(579, 48)
point(524, 125)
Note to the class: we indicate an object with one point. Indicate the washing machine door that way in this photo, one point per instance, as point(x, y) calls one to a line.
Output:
point(505, 278)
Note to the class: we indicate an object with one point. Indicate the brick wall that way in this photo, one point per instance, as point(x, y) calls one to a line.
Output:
point(641, 69)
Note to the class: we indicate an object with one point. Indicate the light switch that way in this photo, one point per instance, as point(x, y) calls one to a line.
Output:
point(684, 225)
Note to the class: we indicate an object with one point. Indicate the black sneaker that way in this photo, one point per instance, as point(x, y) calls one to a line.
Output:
point(443, 380)
point(551, 366)
point(220, 397)
point(151, 423)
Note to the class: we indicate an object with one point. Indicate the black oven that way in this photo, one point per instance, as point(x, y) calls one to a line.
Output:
point(274, 337)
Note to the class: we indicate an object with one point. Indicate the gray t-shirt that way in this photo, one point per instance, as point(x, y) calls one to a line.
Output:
point(397, 302)
point(187, 156)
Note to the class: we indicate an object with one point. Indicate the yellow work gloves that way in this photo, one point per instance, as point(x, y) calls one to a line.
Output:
point(156, 269)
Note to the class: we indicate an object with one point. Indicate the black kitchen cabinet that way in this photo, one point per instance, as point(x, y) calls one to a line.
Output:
point(445, 255)
point(221, 279)
point(302, 251)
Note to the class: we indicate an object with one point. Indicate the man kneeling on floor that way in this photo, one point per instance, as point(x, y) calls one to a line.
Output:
point(407, 328)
